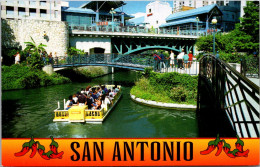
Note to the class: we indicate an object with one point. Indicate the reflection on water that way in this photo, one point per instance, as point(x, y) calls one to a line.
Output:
point(30, 112)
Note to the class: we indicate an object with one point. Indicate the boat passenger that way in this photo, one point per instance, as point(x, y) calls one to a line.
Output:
point(87, 89)
point(90, 102)
point(105, 100)
point(75, 99)
point(82, 100)
point(82, 91)
point(111, 97)
point(110, 93)
point(69, 103)
point(98, 103)
point(116, 89)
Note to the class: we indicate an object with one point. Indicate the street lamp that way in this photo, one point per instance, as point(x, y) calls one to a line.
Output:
point(197, 18)
point(214, 22)
point(112, 12)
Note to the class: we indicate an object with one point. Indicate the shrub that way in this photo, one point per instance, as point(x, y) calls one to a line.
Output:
point(168, 87)
point(19, 77)
point(179, 94)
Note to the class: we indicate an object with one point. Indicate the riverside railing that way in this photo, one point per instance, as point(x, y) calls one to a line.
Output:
point(137, 30)
point(128, 61)
point(234, 94)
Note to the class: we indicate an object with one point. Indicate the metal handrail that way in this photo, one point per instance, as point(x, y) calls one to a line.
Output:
point(234, 94)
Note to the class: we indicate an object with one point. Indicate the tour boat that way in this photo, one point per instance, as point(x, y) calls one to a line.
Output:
point(83, 114)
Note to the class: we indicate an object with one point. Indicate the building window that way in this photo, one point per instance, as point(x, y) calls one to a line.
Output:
point(233, 17)
point(56, 14)
point(21, 2)
point(55, 3)
point(9, 10)
point(32, 12)
point(43, 13)
point(33, 3)
point(21, 11)
point(9, 2)
point(156, 21)
point(43, 3)
point(150, 10)
point(93, 19)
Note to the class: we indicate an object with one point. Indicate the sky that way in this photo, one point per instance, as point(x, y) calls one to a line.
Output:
point(131, 7)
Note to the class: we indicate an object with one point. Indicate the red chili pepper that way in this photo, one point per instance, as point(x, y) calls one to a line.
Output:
point(42, 154)
point(239, 144)
point(219, 146)
point(242, 154)
point(59, 155)
point(226, 149)
point(211, 147)
point(34, 149)
point(23, 151)
point(41, 149)
point(54, 146)
point(54, 149)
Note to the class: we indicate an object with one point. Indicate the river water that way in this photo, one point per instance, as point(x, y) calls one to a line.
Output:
point(30, 112)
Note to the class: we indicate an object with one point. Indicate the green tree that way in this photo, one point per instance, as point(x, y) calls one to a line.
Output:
point(72, 51)
point(33, 48)
point(250, 21)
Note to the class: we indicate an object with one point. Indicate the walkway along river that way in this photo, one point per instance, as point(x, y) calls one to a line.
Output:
point(30, 112)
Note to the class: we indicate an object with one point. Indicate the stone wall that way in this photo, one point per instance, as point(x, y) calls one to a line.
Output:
point(16, 32)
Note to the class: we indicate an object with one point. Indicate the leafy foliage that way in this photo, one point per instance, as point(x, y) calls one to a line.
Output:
point(72, 51)
point(168, 87)
point(33, 48)
point(250, 20)
point(35, 59)
point(244, 38)
point(19, 77)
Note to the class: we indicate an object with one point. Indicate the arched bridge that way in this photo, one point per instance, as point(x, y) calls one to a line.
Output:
point(228, 103)
point(133, 62)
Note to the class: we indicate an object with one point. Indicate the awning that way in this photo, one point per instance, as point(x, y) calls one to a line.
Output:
point(195, 12)
point(184, 21)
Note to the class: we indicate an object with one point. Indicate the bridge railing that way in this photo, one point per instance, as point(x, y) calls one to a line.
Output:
point(234, 94)
point(139, 61)
point(137, 29)
point(129, 61)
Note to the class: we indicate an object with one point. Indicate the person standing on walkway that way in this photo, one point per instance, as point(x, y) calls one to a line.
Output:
point(55, 58)
point(17, 58)
point(50, 58)
point(156, 61)
point(190, 58)
point(180, 59)
point(162, 61)
point(171, 59)
point(185, 59)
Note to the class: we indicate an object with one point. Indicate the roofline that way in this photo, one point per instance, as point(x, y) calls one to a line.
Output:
point(214, 5)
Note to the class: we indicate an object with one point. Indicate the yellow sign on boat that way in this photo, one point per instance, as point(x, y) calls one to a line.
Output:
point(76, 113)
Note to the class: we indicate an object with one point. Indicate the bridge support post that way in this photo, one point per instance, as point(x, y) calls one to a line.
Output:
point(48, 69)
